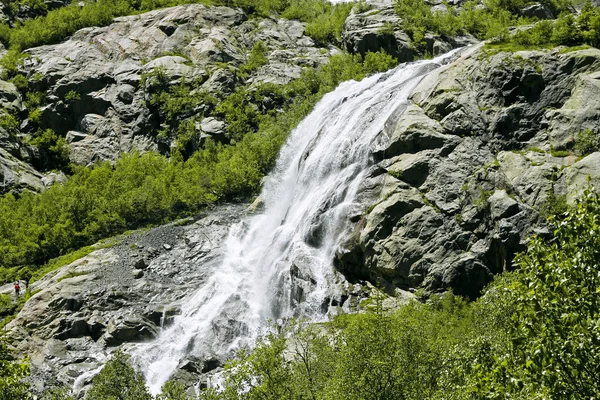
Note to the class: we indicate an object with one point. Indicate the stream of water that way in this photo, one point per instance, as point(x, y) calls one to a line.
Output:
point(307, 200)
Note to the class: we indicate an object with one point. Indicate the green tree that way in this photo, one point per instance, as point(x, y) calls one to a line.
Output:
point(557, 318)
point(118, 381)
point(173, 390)
point(553, 349)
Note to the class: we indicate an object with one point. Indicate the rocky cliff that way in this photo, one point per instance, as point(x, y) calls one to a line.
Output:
point(465, 173)
point(97, 86)
point(471, 167)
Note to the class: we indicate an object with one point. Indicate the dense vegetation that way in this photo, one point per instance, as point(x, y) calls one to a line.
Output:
point(149, 189)
point(567, 30)
point(532, 335)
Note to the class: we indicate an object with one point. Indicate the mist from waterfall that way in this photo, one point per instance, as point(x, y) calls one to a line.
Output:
point(278, 264)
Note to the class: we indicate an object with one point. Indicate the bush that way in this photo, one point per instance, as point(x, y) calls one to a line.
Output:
point(118, 381)
point(554, 350)
point(12, 374)
point(566, 30)
point(258, 58)
point(54, 152)
point(587, 142)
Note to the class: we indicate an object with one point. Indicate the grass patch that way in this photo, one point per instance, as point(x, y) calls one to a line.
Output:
point(560, 153)
point(71, 274)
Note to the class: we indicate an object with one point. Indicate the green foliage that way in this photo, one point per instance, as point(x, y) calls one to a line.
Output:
point(559, 153)
point(7, 306)
point(175, 103)
point(587, 142)
point(54, 151)
point(21, 82)
point(58, 393)
point(12, 372)
point(555, 205)
point(173, 390)
point(324, 19)
point(567, 30)
point(554, 350)
point(377, 62)
point(258, 58)
point(10, 123)
point(10, 63)
point(361, 7)
point(118, 381)
point(557, 316)
point(327, 27)
point(405, 354)
point(72, 96)
point(492, 20)
point(396, 173)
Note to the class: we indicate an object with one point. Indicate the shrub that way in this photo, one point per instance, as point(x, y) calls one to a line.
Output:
point(119, 381)
point(173, 390)
point(587, 142)
point(327, 27)
point(53, 149)
point(10, 123)
point(21, 82)
point(12, 374)
point(258, 58)
point(553, 350)
point(72, 96)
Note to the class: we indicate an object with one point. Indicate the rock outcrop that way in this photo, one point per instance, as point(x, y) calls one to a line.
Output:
point(467, 170)
point(108, 111)
point(97, 86)
point(82, 312)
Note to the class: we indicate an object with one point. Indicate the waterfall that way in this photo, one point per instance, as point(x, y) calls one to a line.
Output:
point(279, 264)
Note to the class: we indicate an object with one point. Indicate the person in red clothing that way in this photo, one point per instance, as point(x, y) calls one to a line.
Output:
point(17, 288)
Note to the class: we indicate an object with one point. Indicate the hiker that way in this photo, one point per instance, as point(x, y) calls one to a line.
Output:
point(17, 288)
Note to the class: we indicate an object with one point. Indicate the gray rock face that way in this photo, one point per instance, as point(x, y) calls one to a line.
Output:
point(469, 168)
point(94, 86)
point(537, 10)
point(117, 296)
point(104, 66)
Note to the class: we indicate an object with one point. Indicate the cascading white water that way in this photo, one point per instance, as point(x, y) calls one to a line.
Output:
point(308, 198)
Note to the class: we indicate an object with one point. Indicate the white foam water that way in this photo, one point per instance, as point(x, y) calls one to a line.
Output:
point(279, 264)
